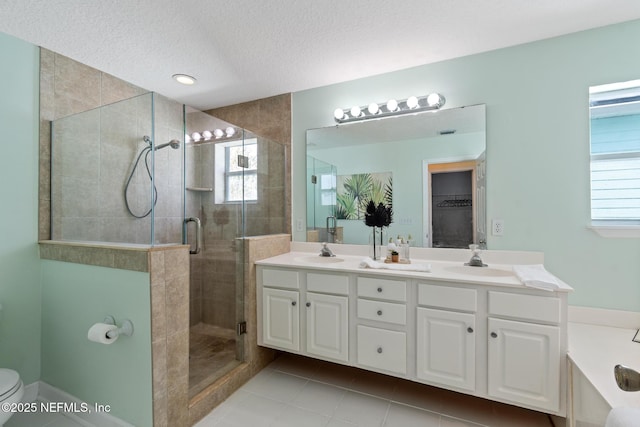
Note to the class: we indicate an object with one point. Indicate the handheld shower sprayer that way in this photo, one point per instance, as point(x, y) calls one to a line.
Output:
point(174, 143)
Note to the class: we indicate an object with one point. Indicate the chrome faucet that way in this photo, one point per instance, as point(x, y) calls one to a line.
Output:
point(325, 251)
point(475, 260)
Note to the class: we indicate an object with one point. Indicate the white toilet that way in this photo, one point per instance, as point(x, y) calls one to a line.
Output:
point(11, 391)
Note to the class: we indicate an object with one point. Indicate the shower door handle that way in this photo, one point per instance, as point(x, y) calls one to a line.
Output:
point(198, 234)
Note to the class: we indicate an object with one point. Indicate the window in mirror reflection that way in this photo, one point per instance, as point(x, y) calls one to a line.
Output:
point(615, 152)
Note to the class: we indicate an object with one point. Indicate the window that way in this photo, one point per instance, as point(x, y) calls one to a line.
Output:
point(615, 153)
point(237, 164)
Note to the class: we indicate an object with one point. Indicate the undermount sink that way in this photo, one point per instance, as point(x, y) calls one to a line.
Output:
point(319, 259)
point(478, 271)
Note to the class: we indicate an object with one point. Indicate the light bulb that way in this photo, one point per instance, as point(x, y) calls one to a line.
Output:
point(412, 102)
point(434, 100)
point(392, 105)
point(184, 79)
point(187, 138)
point(207, 135)
point(230, 131)
point(218, 133)
point(355, 111)
point(196, 136)
point(373, 108)
point(338, 113)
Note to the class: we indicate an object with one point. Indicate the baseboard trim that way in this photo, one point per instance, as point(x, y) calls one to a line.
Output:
point(47, 393)
point(604, 317)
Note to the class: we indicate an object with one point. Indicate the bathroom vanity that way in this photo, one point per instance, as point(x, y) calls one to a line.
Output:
point(474, 330)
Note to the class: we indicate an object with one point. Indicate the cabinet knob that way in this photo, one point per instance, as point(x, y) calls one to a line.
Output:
point(308, 304)
point(379, 312)
point(379, 289)
point(470, 329)
point(293, 303)
point(379, 349)
point(494, 335)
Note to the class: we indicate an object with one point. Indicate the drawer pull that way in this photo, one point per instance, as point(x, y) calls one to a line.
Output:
point(470, 329)
point(494, 335)
point(379, 349)
point(293, 303)
point(308, 304)
point(379, 312)
point(379, 289)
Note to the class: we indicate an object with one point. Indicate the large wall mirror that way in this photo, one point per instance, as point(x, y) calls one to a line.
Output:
point(429, 166)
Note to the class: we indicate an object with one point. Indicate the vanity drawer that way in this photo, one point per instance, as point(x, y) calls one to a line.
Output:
point(382, 349)
point(328, 283)
point(448, 297)
point(526, 307)
point(385, 289)
point(383, 311)
point(277, 278)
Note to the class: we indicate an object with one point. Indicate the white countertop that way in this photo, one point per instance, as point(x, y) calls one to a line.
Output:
point(596, 349)
point(446, 264)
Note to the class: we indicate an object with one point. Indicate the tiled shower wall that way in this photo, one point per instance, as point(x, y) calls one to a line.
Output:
point(68, 87)
point(96, 138)
point(269, 118)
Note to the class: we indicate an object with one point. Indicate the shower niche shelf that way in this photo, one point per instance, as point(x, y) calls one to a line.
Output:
point(200, 189)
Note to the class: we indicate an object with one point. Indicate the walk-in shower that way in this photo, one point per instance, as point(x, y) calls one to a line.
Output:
point(136, 172)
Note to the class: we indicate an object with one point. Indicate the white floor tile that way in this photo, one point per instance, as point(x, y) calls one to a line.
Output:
point(374, 384)
point(296, 417)
point(454, 422)
point(320, 398)
point(340, 423)
point(278, 386)
point(407, 416)
point(256, 411)
point(362, 410)
point(331, 373)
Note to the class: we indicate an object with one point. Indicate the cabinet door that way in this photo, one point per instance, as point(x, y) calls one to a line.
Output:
point(280, 319)
point(447, 348)
point(524, 363)
point(327, 326)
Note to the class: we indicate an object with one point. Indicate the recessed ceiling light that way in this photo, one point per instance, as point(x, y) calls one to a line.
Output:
point(184, 79)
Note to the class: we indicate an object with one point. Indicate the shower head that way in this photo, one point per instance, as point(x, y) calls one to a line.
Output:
point(174, 143)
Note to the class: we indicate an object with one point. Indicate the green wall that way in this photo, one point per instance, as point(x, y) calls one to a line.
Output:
point(75, 296)
point(49, 306)
point(19, 261)
point(537, 147)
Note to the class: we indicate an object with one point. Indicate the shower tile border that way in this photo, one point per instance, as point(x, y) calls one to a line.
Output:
point(112, 255)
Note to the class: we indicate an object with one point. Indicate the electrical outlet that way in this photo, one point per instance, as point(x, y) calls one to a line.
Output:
point(497, 227)
point(299, 225)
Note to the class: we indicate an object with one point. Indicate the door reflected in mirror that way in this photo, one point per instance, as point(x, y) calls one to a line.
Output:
point(430, 166)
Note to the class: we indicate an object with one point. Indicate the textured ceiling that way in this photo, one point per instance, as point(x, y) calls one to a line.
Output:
point(241, 50)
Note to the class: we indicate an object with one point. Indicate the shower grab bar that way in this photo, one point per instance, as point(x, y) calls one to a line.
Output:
point(198, 234)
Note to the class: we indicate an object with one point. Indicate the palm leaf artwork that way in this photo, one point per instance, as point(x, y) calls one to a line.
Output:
point(358, 186)
point(355, 191)
point(345, 207)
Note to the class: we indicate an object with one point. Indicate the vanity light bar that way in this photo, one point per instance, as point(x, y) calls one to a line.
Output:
point(413, 104)
point(208, 135)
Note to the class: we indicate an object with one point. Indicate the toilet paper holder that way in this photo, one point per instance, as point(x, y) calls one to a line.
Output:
point(125, 329)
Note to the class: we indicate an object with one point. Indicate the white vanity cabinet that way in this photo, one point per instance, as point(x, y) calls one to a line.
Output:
point(314, 314)
point(281, 319)
point(499, 341)
point(524, 358)
point(446, 336)
point(382, 318)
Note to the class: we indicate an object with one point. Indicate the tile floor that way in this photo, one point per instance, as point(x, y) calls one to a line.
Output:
point(301, 392)
point(40, 419)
